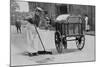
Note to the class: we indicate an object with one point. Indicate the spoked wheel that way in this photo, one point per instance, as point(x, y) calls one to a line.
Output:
point(58, 42)
point(59, 47)
point(64, 42)
point(80, 41)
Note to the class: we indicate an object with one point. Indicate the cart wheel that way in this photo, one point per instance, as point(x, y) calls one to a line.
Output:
point(80, 41)
point(58, 42)
point(64, 42)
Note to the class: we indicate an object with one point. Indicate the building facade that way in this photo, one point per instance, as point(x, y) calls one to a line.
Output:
point(55, 9)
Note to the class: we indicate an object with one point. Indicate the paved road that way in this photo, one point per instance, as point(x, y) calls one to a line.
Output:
point(19, 46)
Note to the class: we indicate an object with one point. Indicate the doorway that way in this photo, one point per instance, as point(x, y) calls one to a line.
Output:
point(63, 9)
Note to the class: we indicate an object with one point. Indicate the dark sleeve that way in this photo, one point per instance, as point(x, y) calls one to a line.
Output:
point(36, 20)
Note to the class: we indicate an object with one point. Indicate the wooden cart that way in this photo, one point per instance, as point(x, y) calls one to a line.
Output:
point(68, 26)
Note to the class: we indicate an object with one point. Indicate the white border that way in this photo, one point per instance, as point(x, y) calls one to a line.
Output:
point(82, 2)
point(5, 32)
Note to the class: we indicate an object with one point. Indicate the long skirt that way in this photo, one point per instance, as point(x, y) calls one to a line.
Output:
point(32, 40)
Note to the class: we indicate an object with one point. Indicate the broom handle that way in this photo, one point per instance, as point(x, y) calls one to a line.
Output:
point(40, 38)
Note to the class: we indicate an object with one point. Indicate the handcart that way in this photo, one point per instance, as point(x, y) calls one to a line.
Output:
point(68, 26)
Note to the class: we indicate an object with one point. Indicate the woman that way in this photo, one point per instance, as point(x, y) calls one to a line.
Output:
point(32, 37)
point(87, 27)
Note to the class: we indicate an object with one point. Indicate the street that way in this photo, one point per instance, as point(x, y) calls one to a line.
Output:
point(72, 54)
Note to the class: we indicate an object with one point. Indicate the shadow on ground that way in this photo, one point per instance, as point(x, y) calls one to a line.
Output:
point(54, 52)
point(65, 51)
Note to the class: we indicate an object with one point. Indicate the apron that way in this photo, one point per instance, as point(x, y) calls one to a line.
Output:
point(86, 24)
point(32, 38)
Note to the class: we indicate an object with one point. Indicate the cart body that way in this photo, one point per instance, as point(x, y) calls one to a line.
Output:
point(69, 26)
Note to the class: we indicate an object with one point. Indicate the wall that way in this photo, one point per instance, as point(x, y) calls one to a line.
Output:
point(84, 9)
